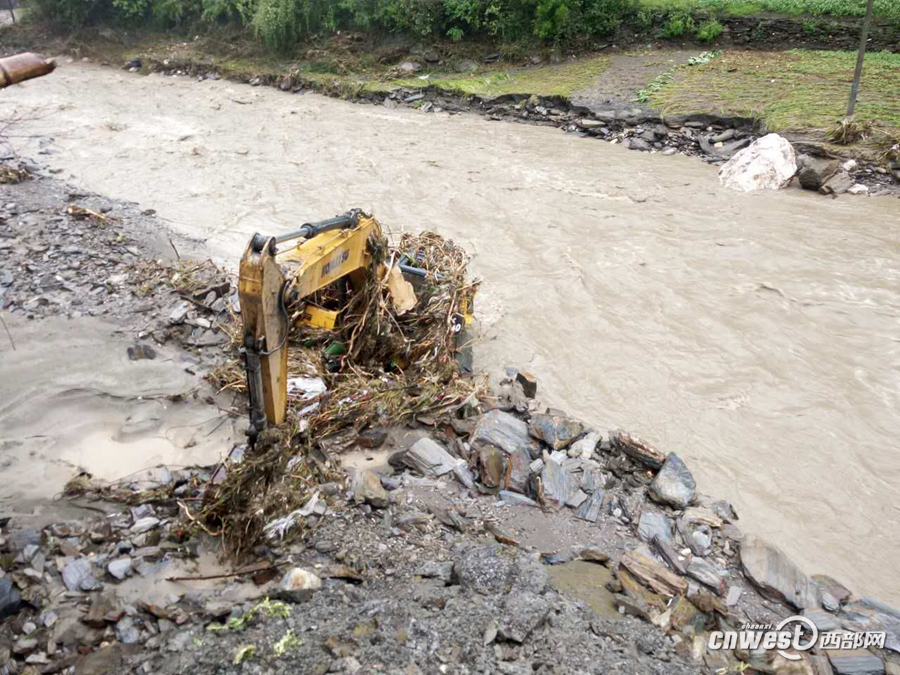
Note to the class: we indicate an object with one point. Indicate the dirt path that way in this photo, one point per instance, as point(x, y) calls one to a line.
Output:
point(753, 334)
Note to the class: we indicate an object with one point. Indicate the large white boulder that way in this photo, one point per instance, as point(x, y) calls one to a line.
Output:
point(767, 164)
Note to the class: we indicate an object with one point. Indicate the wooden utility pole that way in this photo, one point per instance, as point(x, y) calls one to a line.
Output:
point(864, 38)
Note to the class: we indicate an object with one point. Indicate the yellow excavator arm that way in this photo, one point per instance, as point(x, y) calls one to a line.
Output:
point(327, 251)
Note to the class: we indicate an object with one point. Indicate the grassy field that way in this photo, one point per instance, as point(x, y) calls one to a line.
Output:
point(550, 80)
point(884, 9)
point(797, 90)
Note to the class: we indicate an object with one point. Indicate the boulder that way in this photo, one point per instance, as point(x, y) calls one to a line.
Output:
point(559, 485)
point(78, 576)
point(299, 579)
point(838, 184)
point(555, 430)
point(816, 172)
point(522, 613)
point(501, 430)
point(636, 448)
point(485, 570)
point(655, 524)
point(10, 598)
point(492, 465)
point(767, 164)
point(674, 484)
point(769, 568)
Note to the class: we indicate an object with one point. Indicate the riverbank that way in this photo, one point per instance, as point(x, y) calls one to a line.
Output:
point(743, 84)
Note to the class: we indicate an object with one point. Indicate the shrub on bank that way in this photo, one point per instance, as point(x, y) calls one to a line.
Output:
point(284, 23)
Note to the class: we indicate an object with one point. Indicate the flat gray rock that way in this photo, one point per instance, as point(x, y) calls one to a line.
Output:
point(674, 484)
point(429, 458)
point(555, 430)
point(559, 485)
point(78, 576)
point(120, 568)
point(501, 430)
point(590, 510)
point(776, 575)
point(707, 573)
point(655, 524)
point(855, 662)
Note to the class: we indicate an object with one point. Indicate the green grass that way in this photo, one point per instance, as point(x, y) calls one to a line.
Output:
point(798, 90)
point(552, 80)
point(884, 9)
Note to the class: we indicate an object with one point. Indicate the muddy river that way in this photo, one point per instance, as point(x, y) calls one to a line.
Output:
point(755, 335)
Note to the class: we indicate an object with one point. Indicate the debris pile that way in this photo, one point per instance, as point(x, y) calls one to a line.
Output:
point(384, 364)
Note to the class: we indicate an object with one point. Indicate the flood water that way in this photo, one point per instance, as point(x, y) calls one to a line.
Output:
point(755, 335)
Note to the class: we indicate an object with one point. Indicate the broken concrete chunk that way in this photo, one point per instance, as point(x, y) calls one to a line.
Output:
point(555, 430)
point(429, 458)
point(501, 430)
point(637, 449)
point(653, 575)
point(674, 484)
point(775, 575)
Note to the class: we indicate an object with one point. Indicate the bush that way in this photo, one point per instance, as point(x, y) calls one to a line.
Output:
point(74, 13)
point(709, 31)
point(677, 25)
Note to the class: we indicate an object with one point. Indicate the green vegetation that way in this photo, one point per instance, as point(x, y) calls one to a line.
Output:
point(282, 24)
point(885, 9)
point(798, 90)
point(678, 23)
point(553, 80)
point(709, 31)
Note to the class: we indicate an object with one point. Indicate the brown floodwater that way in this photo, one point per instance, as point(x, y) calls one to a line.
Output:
point(756, 335)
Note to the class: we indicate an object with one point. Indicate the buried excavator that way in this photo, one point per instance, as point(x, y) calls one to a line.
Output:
point(281, 287)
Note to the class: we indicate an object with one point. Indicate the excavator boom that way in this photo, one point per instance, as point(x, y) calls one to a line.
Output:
point(327, 251)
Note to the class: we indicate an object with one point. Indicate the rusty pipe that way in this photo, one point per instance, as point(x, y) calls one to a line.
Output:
point(21, 67)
